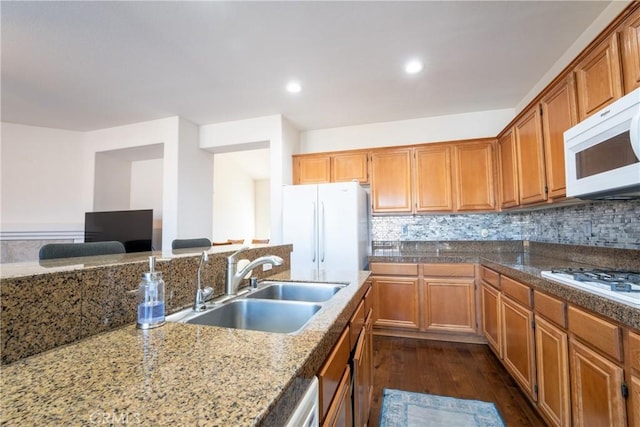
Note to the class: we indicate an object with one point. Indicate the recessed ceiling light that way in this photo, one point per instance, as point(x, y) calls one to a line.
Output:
point(294, 87)
point(413, 67)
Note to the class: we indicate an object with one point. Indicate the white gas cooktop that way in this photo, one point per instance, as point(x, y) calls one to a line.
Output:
point(621, 286)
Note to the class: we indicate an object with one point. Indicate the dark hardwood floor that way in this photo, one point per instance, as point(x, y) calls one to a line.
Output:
point(466, 371)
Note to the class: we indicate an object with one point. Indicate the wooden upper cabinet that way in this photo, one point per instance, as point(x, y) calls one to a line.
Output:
point(474, 172)
point(599, 77)
point(349, 167)
point(529, 149)
point(630, 33)
point(433, 179)
point(558, 114)
point(311, 169)
point(508, 161)
point(391, 180)
point(331, 167)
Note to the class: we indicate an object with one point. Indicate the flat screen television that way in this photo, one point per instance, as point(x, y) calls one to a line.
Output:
point(134, 228)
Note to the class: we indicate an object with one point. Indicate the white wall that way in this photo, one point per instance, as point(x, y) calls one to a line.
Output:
point(233, 200)
point(146, 192)
point(262, 209)
point(454, 127)
point(42, 176)
point(112, 183)
point(146, 186)
point(195, 185)
point(145, 134)
point(250, 134)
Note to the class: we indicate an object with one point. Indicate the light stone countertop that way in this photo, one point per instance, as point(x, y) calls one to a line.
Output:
point(178, 374)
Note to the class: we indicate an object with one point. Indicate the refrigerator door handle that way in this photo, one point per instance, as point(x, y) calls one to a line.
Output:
point(313, 231)
point(322, 230)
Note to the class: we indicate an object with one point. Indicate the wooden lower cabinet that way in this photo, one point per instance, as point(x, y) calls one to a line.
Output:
point(448, 305)
point(491, 324)
point(552, 363)
point(339, 413)
point(633, 378)
point(332, 372)
point(518, 344)
point(634, 401)
point(397, 302)
point(363, 375)
point(596, 388)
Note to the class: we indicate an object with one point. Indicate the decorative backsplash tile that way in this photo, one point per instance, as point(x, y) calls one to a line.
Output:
point(606, 224)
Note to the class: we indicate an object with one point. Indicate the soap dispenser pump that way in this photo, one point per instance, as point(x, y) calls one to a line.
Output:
point(151, 298)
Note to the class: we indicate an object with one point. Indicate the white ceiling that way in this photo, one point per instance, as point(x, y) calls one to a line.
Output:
point(92, 65)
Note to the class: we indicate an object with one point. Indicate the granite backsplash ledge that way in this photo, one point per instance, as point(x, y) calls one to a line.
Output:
point(43, 310)
point(591, 256)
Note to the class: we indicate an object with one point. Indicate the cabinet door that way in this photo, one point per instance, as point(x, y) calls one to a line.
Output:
point(491, 328)
point(368, 327)
point(474, 183)
point(397, 302)
point(349, 167)
point(312, 170)
point(331, 373)
point(391, 181)
point(362, 382)
point(518, 344)
point(508, 169)
point(631, 52)
point(596, 397)
point(598, 77)
point(433, 179)
point(531, 174)
point(633, 369)
point(634, 401)
point(552, 362)
point(340, 411)
point(558, 115)
point(449, 305)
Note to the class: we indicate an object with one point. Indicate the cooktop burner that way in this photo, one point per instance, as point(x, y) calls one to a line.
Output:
point(619, 285)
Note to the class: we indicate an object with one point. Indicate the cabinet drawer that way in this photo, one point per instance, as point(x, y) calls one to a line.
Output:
point(332, 371)
point(490, 276)
point(356, 324)
point(394, 269)
point(598, 333)
point(517, 291)
point(448, 270)
point(551, 308)
point(634, 351)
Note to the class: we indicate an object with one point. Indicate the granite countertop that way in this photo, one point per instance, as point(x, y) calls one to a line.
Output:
point(32, 268)
point(178, 374)
point(526, 267)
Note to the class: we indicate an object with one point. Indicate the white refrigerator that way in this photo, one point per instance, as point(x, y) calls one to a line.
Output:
point(328, 225)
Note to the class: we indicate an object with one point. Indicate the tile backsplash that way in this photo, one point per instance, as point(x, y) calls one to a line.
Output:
point(597, 223)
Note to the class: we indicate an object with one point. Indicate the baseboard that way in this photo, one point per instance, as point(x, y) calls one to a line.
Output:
point(464, 338)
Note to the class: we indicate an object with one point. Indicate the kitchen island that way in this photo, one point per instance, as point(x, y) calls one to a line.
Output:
point(178, 374)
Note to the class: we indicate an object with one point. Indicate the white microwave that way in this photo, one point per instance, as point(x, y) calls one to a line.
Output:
point(602, 152)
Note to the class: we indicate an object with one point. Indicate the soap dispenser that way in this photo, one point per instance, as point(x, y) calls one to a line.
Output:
point(151, 298)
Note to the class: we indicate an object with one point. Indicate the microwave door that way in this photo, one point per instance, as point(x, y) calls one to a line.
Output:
point(602, 158)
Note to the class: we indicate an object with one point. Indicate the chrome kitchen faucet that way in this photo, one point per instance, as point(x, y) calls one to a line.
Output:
point(234, 277)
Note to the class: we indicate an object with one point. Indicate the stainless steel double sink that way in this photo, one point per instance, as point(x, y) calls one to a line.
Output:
point(281, 307)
